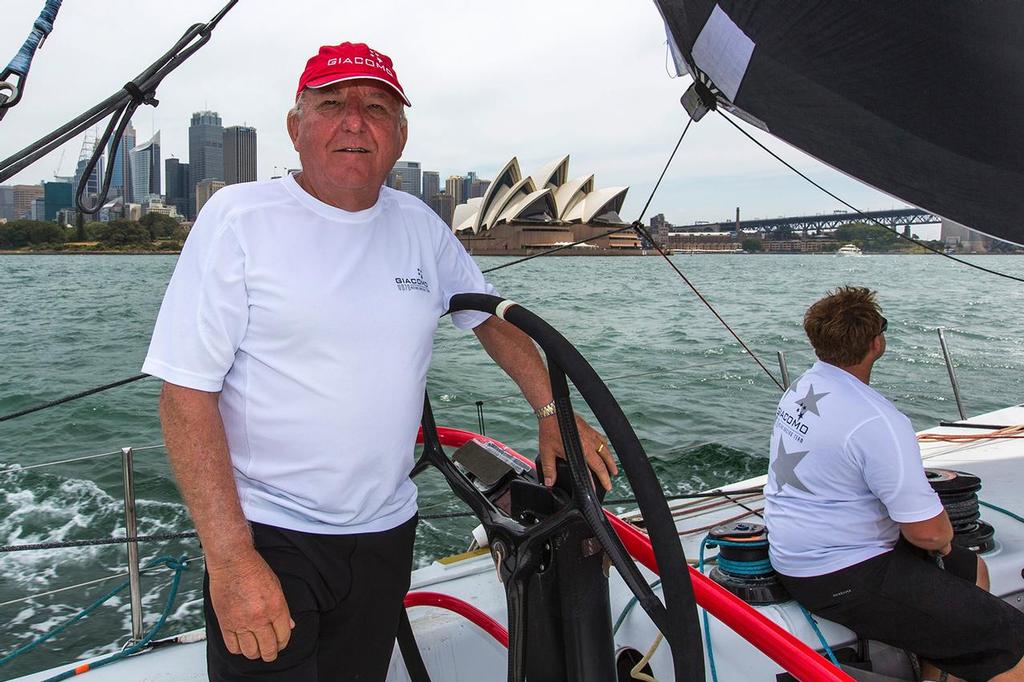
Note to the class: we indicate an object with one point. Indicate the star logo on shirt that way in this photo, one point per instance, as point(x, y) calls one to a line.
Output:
point(784, 468)
point(809, 403)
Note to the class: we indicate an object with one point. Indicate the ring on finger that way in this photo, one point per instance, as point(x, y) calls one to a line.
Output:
point(600, 448)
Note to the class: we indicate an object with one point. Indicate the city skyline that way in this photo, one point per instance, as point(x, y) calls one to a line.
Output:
point(548, 95)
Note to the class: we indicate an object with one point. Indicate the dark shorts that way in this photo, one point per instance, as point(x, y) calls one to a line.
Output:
point(345, 595)
point(903, 599)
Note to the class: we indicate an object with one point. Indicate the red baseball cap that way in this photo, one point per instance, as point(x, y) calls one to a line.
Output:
point(349, 61)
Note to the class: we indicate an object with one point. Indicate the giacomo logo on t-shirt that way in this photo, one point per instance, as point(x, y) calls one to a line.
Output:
point(416, 283)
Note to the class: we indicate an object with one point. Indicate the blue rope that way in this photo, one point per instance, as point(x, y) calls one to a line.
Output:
point(704, 612)
point(821, 637)
point(178, 565)
point(629, 607)
point(745, 567)
point(40, 29)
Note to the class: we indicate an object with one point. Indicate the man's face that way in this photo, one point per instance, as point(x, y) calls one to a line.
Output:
point(348, 136)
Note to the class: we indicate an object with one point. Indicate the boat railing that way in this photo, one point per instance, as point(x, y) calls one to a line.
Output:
point(132, 539)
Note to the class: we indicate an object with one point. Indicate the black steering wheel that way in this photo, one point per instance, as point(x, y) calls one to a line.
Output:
point(518, 546)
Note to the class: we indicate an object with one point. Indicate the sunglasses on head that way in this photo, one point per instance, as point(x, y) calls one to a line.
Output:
point(885, 325)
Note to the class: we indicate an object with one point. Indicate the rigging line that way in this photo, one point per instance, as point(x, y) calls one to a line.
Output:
point(22, 62)
point(559, 248)
point(640, 228)
point(140, 90)
point(664, 170)
point(861, 213)
point(69, 398)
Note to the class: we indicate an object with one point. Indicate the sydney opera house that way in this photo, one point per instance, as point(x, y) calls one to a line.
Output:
point(522, 214)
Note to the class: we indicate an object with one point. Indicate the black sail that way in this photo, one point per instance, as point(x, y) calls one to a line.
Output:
point(923, 100)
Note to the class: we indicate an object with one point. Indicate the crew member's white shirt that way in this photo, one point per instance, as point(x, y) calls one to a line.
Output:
point(845, 470)
point(316, 326)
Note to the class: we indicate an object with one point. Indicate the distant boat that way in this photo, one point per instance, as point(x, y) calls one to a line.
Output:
point(849, 250)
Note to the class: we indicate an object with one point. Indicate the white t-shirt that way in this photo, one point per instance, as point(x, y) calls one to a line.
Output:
point(316, 325)
point(845, 470)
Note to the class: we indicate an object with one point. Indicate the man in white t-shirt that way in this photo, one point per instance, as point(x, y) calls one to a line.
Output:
point(294, 341)
point(853, 523)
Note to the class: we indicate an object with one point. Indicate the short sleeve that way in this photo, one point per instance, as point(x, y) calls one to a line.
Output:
point(890, 459)
point(204, 314)
point(459, 274)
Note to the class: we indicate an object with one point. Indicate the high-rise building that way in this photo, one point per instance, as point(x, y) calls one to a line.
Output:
point(204, 190)
point(467, 185)
point(205, 151)
point(177, 181)
point(56, 196)
point(478, 188)
point(122, 166)
point(24, 195)
point(95, 181)
point(443, 204)
point(7, 202)
point(239, 154)
point(409, 171)
point(431, 184)
point(145, 163)
point(453, 187)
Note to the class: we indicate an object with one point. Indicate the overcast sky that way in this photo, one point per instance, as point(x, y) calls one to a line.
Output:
point(487, 81)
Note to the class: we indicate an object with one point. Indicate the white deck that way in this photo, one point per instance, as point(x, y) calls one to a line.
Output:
point(457, 651)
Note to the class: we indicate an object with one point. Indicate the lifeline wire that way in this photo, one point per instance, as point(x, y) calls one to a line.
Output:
point(69, 398)
point(860, 212)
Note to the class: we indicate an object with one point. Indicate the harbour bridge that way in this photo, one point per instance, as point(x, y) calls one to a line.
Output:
point(893, 219)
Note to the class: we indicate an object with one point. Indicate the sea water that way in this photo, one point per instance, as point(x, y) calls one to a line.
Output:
point(701, 406)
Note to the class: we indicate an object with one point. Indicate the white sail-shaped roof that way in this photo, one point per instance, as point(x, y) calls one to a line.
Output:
point(512, 198)
point(572, 192)
point(516, 193)
point(494, 197)
point(466, 214)
point(602, 201)
point(553, 174)
point(537, 206)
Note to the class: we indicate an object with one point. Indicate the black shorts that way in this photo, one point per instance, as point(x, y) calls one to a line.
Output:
point(345, 595)
point(902, 598)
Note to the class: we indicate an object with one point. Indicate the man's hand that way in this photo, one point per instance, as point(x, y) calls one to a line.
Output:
point(595, 449)
point(250, 607)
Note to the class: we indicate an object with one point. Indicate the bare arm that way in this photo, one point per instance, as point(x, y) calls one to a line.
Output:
point(515, 353)
point(246, 594)
point(934, 534)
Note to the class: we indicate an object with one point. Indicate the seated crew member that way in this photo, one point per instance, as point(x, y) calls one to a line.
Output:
point(855, 526)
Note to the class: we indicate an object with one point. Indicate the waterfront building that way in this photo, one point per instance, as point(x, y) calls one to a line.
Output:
point(467, 185)
point(24, 196)
point(409, 171)
point(204, 190)
point(954, 234)
point(177, 181)
point(205, 151)
point(121, 170)
point(239, 154)
point(443, 204)
point(453, 187)
point(145, 164)
point(530, 212)
point(157, 205)
point(431, 184)
point(38, 210)
point(394, 180)
point(7, 202)
point(56, 196)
